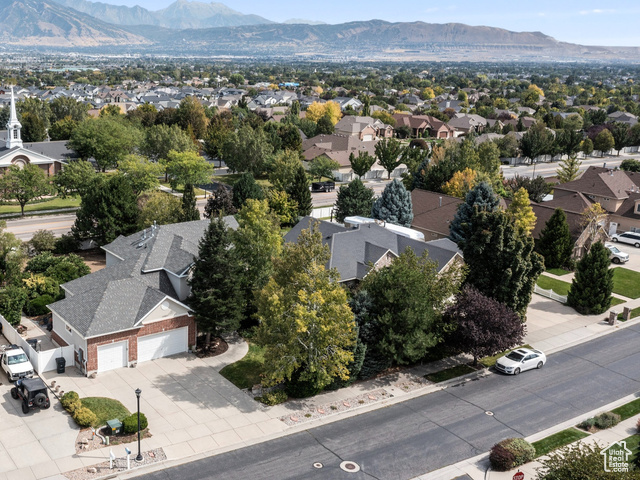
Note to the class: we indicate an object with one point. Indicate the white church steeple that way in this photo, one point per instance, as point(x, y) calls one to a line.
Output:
point(13, 126)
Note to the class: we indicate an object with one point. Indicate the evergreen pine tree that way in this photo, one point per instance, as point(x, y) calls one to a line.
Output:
point(394, 205)
point(555, 243)
point(501, 262)
point(568, 169)
point(299, 192)
point(592, 285)
point(480, 197)
point(353, 199)
point(190, 210)
point(246, 187)
point(216, 298)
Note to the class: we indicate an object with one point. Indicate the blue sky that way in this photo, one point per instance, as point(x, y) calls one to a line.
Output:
point(586, 22)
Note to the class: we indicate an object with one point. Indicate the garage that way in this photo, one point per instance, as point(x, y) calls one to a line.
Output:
point(367, 138)
point(112, 356)
point(163, 344)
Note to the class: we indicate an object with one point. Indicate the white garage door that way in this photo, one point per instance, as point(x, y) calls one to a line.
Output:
point(112, 356)
point(162, 344)
point(367, 138)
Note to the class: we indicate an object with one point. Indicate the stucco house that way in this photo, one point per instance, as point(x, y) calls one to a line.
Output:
point(133, 310)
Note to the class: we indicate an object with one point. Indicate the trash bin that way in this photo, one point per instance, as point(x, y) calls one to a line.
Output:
point(60, 364)
point(114, 426)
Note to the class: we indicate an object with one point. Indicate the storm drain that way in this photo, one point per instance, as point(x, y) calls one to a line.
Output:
point(350, 467)
point(317, 465)
point(489, 413)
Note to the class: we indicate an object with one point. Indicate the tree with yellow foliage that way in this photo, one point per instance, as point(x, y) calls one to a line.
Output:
point(461, 182)
point(318, 110)
point(521, 213)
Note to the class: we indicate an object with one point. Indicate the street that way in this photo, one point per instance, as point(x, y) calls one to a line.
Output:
point(548, 169)
point(421, 435)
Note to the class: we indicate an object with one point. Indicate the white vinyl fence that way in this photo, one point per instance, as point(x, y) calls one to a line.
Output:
point(550, 294)
point(322, 212)
point(43, 361)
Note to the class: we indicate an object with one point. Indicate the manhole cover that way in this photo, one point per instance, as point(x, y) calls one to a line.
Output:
point(350, 467)
point(489, 413)
point(317, 465)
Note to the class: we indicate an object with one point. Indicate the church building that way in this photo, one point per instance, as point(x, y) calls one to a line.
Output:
point(49, 156)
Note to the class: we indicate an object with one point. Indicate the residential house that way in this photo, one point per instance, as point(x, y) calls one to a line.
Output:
point(421, 124)
point(355, 251)
point(365, 128)
point(465, 123)
point(133, 310)
point(623, 117)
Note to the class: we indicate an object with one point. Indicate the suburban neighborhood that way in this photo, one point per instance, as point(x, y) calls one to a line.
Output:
point(220, 268)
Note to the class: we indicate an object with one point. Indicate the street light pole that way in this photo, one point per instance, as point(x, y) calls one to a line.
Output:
point(139, 456)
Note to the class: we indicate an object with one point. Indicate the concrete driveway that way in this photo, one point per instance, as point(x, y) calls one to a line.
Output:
point(35, 445)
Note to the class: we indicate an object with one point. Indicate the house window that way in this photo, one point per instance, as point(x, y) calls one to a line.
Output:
point(67, 328)
point(638, 208)
point(15, 133)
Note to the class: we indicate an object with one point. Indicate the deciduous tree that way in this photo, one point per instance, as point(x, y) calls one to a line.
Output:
point(306, 325)
point(220, 203)
point(247, 150)
point(409, 297)
point(604, 142)
point(187, 168)
point(159, 140)
point(521, 213)
point(190, 115)
point(75, 178)
point(246, 187)
point(140, 172)
point(482, 326)
point(159, 207)
point(388, 152)
point(24, 184)
point(461, 183)
point(362, 163)
point(322, 166)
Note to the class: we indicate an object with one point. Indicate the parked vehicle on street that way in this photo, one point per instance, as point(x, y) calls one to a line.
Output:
point(519, 360)
point(32, 392)
point(15, 363)
point(323, 186)
point(632, 238)
point(616, 255)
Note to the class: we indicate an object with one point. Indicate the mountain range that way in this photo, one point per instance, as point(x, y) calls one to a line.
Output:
point(214, 29)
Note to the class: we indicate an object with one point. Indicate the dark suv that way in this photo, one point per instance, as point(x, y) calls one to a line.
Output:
point(32, 392)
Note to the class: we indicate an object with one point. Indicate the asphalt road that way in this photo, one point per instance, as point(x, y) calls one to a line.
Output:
point(423, 434)
point(549, 169)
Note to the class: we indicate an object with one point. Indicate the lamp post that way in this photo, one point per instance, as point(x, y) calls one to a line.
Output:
point(139, 456)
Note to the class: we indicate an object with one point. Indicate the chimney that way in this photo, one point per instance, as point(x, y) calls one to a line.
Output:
point(439, 201)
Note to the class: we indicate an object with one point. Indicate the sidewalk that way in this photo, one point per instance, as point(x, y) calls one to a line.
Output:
point(478, 468)
point(200, 425)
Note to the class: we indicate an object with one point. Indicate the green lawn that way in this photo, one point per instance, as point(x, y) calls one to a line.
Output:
point(491, 361)
point(616, 301)
point(558, 271)
point(449, 373)
point(105, 409)
point(231, 178)
point(557, 440)
point(633, 314)
point(626, 282)
point(180, 189)
point(628, 410)
point(633, 444)
point(53, 204)
point(245, 373)
point(558, 286)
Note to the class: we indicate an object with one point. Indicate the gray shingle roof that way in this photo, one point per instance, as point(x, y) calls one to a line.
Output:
point(353, 249)
point(117, 297)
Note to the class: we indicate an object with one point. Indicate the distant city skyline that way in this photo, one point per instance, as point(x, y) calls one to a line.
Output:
point(586, 22)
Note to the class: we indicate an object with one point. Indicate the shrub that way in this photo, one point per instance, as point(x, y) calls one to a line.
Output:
point(43, 241)
point(273, 398)
point(130, 423)
point(607, 420)
point(68, 398)
point(84, 417)
point(38, 306)
point(588, 424)
point(67, 243)
point(501, 459)
point(511, 453)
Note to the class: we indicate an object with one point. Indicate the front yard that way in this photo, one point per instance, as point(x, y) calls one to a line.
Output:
point(247, 372)
point(558, 286)
point(626, 282)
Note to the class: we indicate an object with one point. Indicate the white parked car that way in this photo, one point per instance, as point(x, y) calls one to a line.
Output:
point(632, 238)
point(519, 360)
point(616, 255)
